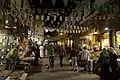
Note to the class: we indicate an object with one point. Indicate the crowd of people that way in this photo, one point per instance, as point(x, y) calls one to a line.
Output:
point(77, 57)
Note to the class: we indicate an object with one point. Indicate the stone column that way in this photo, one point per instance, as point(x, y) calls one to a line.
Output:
point(112, 38)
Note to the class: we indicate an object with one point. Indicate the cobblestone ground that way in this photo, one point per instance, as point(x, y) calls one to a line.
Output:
point(59, 73)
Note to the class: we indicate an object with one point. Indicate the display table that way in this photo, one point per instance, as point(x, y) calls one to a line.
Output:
point(27, 59)
point(4, 74)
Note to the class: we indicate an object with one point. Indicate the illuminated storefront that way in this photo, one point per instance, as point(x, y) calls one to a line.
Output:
point(118, 39)
point(105, 40)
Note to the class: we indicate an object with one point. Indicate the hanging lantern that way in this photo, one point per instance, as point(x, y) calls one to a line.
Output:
point(73, 31)
point(15, 20)
point(70, 26)
point(100, 17)
point(42, 17)
point(77, 19)
point(113, 17)
point(81, 28)
point(78, 28)
point(64, 31)
point(66, 18)
point(53, 1)
point(65, 2)
point(37, 17)
point(25, 16)
point(67, 31)
point(61, 30)
point(83, 18)
point(104, 17)
point(55, 18)
point(57, 30)
point(60, 18)
point(70, 31)
point(40, 1)
point(48, 17)
point(76, 31)
point(90, 18)
point(84, 28)
point(79, 31)
point(109, 17)
point(87, 28)
point(52, 21)
point(71, 18)
point(95, 18)
point(74, 27)
point(67, 26)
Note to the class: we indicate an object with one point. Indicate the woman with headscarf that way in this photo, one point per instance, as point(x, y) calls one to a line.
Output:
point(113, 62)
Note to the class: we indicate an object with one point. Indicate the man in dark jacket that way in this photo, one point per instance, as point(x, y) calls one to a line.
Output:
point(113, 63)
point(74, 55)
point(61, 53)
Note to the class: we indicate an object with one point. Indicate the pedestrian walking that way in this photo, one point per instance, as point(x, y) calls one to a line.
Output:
point(79, 59)
point(113, 63)
point(61, 53)
point(85, 57)
point(51, 56)
point(37, 54)
point(74, 56)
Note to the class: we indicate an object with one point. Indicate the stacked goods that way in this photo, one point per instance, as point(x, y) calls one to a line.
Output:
point(16, 75)
point(5, 73)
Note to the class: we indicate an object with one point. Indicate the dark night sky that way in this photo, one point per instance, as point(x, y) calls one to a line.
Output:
point(1, 3)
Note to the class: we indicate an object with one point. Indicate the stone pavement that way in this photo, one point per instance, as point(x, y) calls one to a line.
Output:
point(59, 73)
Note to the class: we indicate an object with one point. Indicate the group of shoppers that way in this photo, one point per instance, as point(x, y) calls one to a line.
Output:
point(107, 59)
point(108, 62)
point(79, 57)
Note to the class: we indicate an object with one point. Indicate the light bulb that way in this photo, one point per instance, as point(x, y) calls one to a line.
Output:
point(6, 21)
point(106, 28)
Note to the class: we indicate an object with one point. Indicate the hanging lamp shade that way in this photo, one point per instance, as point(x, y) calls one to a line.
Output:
point(53, 1)
point(55, 18)
point(70, 26)
point(109, 17)
point(67, 31)
point(70, 31)
point(40, 1)
point(60, 18)
point(42, 17)
point(76, 31)
point(104, 17)
point(67, 26)
point(74, 27)
point(37, 17)
point(77, 19)
point(73, 31)
point(71, 18)
point(100, 17)
point(65, 2)
point(48, 17)
point(78, 27)
point(87, 28)
point(66, 18)
point(81, 28)
point(84, 28)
